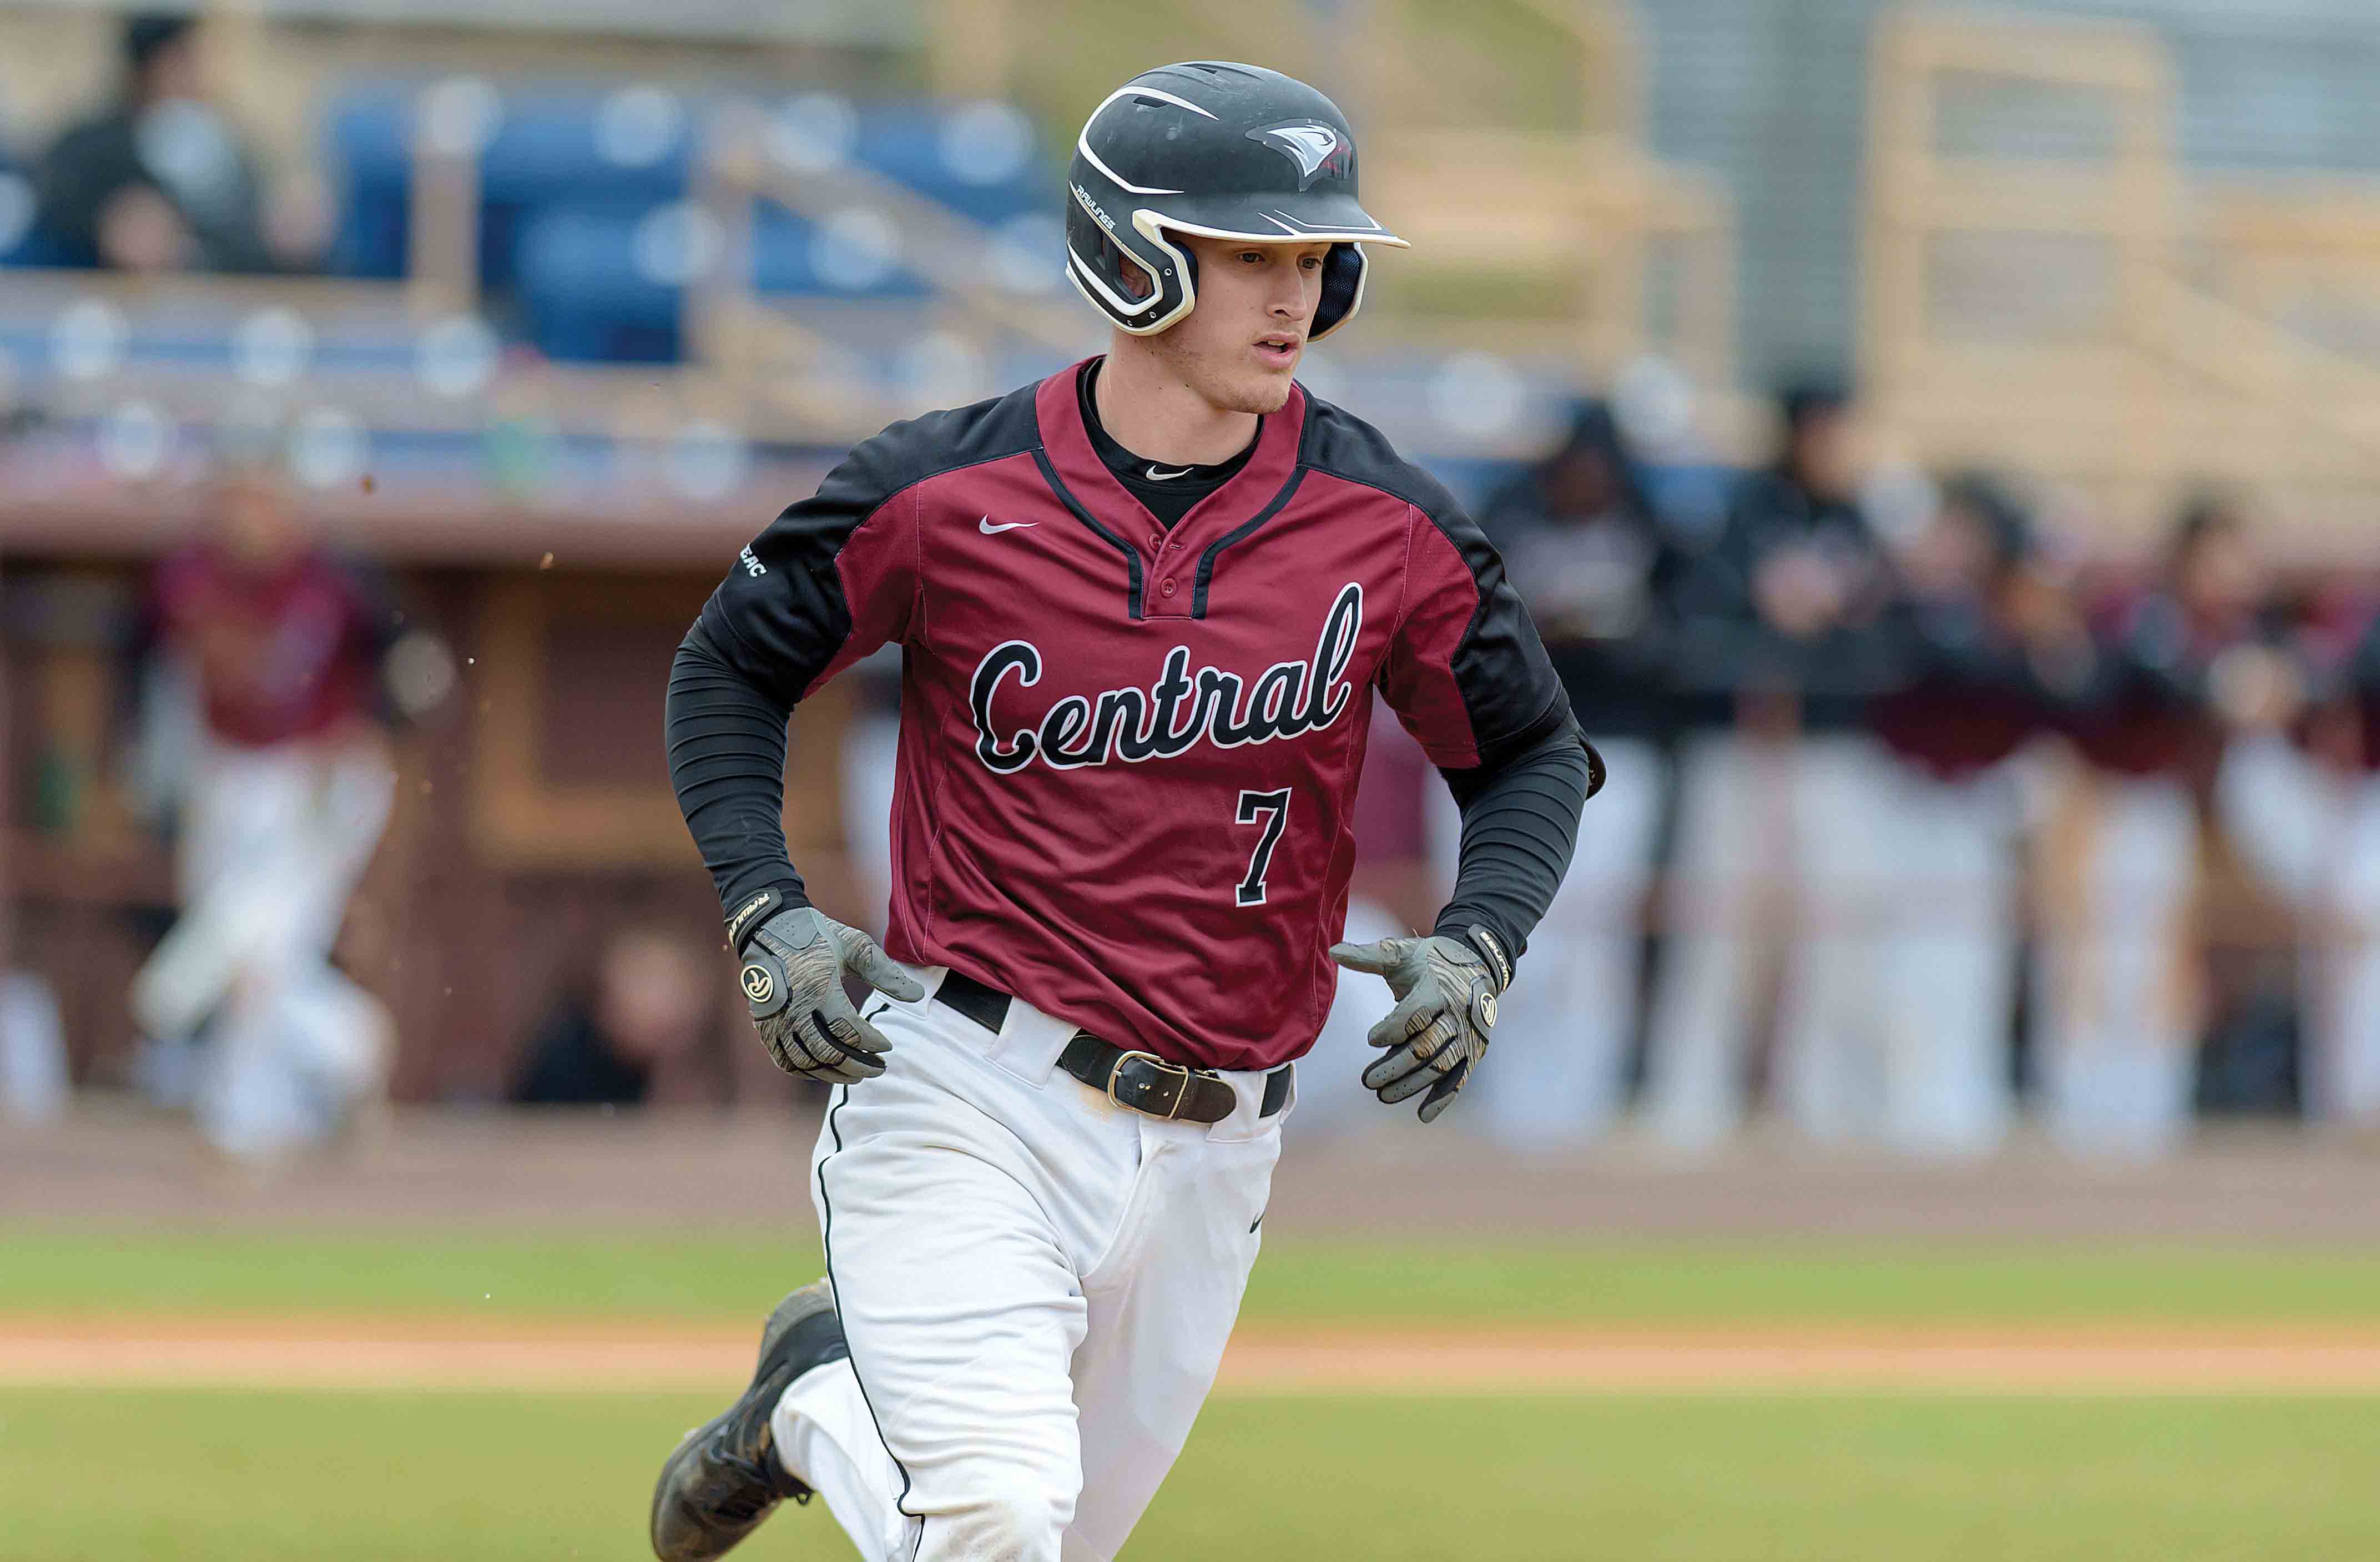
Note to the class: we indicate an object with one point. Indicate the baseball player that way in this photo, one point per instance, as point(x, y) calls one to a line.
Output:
point(1995, 651)
point(2299, 797)
point(1141, 606)
point(1787, 617)
point(2120, 975)
point(285, 801)
point(1597, 567)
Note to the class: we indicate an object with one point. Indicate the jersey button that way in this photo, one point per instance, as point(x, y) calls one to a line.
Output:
point(1167, 589)
point(1156, 542)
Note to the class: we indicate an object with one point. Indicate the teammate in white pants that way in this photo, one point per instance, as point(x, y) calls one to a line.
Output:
point(1995, 647)
point(870, 744)
point(2121, 987)
point(1597, 568)
point(1564, 1037)
point(1786, 614)
point(2300, 796)
point(1140, 605)
point(2344, 1077)
point(285, 804)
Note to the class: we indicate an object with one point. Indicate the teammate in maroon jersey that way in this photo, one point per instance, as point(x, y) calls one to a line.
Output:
point(284, 803)
point(2298, 798)
point(2122, 983)
point(1994, 653)
point(1140, 605)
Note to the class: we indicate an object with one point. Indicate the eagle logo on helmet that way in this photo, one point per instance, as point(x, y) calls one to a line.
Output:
point(1318, 150)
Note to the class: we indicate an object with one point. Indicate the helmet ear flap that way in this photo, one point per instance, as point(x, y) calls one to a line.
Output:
point(1343, 289)
point(1136, 279)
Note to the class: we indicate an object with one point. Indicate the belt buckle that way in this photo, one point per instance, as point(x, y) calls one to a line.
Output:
point(1163, 1068)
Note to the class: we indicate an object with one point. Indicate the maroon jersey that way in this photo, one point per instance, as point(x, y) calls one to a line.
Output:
point(2337, 646)
point(1128, 755)
point(2152, 713)
point(1971, 697)
point(281, 653)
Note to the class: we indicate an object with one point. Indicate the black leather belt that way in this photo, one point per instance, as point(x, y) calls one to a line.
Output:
point(1141, 1081)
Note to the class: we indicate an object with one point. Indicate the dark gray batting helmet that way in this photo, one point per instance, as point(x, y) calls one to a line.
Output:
point(1220, 150)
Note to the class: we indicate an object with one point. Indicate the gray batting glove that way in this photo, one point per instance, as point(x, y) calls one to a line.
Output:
point(792, 984)
point(1446, 1007)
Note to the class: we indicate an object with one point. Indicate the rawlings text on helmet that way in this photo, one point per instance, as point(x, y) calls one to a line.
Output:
point(1099, 213)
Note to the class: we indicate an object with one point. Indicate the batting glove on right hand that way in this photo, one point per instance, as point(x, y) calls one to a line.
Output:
point(1446, 1007)
point(792, 984)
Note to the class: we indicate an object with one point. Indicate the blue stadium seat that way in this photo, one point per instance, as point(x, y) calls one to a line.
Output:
point(623, 149)
point(366, 133)
point(980, 160)
point(572, 179)
point(602, 285)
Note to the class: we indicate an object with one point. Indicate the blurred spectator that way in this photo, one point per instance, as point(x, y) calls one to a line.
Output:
point(1785, 615)
point(2120, 993)
point(1994, 646)
point(870, 746)
point(33, 1085)
point(1583, 545)
point(648, 1004)
point(2299, 797)
point(162, 181)
point(2345, 1078)
point(283, 802)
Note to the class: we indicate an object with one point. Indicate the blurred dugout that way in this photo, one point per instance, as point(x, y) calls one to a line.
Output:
point(599, 291)
point(1916, 740)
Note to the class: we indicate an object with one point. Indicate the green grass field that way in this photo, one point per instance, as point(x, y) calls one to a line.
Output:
point(1296, 1284)
point(280, 1476)
point(105, 1476)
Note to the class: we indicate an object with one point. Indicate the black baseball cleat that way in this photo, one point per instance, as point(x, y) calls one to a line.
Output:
point(724, 1477)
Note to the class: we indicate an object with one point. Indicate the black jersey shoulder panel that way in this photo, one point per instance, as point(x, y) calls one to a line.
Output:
point(780, 616)
point(1509, 686)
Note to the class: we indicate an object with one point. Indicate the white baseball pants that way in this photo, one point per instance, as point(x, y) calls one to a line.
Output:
point(2118, 982)
point(2315, 834)
point(1036, 1287)
point(1763, 826)
point(1947, 961)
point(274, 842)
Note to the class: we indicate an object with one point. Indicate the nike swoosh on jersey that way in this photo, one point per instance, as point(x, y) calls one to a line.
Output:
point(989, 530)
point(1164, 477)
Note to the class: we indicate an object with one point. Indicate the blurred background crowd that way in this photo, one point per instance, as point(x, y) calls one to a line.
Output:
point(1939, 451)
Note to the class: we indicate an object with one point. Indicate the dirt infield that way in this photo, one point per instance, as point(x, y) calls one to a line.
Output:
point(475, 1172)
point(463, 1169)
point(411, 1353)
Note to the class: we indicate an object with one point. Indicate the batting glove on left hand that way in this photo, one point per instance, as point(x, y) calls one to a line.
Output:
point(793, 985)
point(1446, 1007)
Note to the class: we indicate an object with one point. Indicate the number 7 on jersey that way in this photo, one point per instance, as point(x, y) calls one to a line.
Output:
point(1272, 811)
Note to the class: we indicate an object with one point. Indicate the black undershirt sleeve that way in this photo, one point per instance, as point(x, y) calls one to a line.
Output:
point(779, 625)
point(727, 761)
point(1519, 824)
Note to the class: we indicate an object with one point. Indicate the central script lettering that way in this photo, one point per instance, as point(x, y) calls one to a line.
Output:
point(1175, 712)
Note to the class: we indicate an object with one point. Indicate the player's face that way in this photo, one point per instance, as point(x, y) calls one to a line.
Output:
point(1825, 456)
point(2221, 575)
point(1238, 347)
point(254, 524)
point(1949, 557)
